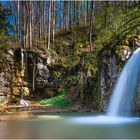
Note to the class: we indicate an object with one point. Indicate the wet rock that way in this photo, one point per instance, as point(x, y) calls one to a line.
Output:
point(46, 92)
point(126, 54)
point(108, 75)
point(42, 75)
point(5, 78)
point(19, 74)
point(111, 64)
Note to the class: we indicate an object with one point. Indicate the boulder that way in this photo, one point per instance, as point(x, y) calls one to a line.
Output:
point(42, 75)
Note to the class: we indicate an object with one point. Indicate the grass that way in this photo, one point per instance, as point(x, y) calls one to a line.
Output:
point(57, 101)
point(1, 104)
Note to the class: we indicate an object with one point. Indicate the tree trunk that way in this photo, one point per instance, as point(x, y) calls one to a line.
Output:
point(49, 25)
point(73, 27)
point(85, 14)
point(44, 23)
point(30, 10)
point(70, 15)
point(24, 25)
point(56, 15)
point(32, 24)
point(87, 10)
point(61, 14)
point(53, 28)
point(91, 24)
point(18, 34)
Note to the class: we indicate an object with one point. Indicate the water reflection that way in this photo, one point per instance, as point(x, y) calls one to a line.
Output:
point(49, 117)
point(69, 126)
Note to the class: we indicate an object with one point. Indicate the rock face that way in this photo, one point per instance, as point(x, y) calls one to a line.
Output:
point(35, 76)
point(4, 85)
point(108, 75)
point(111, 64)
point(41, 82)
point(5, 78)
point(30, 73)
point(42, 75)
point(19, 75)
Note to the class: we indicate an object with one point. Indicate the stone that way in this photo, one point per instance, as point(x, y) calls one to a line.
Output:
point(108, 76)
point(5, 77)
point(11, 52)
point(26, 91)
point(42, 75)
point(126, 54)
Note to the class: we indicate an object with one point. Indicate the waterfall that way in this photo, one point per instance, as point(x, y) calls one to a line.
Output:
point(122, 99)
point(22, 71)
point(22, 61)
point(22, 102)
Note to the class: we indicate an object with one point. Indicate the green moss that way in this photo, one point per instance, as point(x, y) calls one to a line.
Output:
point(1, 104)
point(57, 74)
point(15, 100)
point(72, 80)
point(58, 101)
point(61, 100)
point(3, 61)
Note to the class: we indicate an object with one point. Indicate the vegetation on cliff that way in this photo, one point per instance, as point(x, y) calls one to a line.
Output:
point(73, 39)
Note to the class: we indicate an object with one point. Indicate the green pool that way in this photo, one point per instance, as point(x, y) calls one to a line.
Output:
point(70, 126)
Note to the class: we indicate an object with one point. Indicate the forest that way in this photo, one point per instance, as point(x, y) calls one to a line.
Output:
point(64, 55)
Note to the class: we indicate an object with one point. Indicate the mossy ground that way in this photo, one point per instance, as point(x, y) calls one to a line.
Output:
point(58, 101)
point(61, 100)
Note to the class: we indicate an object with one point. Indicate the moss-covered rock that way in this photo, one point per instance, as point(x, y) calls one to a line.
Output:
point(111, 63)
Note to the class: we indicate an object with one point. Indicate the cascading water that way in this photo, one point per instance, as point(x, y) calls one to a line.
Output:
point(22, 71)
point(122, 99)
point(22, 60)
point(22, 102)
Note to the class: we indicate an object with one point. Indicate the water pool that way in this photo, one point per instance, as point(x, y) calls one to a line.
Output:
point(70, 126)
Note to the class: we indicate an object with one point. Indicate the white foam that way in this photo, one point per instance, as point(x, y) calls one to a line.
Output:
point(102, 119)
point(126, 87)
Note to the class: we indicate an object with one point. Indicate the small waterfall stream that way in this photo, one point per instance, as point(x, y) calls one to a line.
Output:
point(22, 101)
point(22, 59)
point(122, 100)
point(22, 71)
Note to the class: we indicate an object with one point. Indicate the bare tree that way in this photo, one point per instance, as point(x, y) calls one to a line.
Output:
point(70, 15)
point(53, 20)
point(91, 24)
point(49, 25)
point(85, 14)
